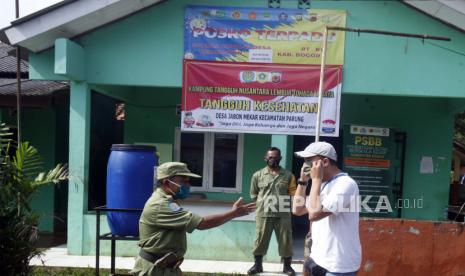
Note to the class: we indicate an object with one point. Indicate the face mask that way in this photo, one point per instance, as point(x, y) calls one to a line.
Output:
point(183, 191)
point(273, 163)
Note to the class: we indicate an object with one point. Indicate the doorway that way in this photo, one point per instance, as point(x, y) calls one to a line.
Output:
point(106, 129)
point(300, 224)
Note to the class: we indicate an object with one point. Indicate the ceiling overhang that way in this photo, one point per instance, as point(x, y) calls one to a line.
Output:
point(68, 19)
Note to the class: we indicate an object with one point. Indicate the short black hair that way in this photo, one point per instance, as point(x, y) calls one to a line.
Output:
point(274, 149)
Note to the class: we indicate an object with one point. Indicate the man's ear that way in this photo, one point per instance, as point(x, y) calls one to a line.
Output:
point(326, 162)
point(164, 181)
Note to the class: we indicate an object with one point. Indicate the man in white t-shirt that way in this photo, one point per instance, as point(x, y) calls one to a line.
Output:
point(332, 207)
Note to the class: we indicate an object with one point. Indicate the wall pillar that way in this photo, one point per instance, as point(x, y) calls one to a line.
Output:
point(79, 134)
point(285, 143)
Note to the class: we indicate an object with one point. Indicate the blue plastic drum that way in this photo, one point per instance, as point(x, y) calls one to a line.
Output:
point(130, 175)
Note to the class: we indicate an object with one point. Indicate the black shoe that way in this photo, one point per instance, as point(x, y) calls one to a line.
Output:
point(257, 267)
point(287, 269)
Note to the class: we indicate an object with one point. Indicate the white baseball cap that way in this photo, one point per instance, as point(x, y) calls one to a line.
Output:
point(318, 148)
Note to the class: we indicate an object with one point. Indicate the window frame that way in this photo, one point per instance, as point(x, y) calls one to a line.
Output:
point(208, 160)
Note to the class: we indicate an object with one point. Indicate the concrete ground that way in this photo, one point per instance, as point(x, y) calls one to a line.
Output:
point(58, 257)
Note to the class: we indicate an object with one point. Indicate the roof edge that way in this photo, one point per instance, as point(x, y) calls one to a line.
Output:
point(41, 12)
point(410, 5)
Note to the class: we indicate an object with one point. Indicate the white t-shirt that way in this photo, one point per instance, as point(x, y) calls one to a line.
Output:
point(336, 242)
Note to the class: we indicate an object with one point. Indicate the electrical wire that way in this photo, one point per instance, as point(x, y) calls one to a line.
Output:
point(445, 48)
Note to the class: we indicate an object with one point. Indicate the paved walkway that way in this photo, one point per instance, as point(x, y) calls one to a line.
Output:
point(58, 256)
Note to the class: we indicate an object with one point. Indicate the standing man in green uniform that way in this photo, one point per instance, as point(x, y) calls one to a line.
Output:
point(271, 188)
point(164, 223)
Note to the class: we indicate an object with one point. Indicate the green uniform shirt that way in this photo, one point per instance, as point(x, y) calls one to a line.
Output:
point(163, 225)
point(267, 189)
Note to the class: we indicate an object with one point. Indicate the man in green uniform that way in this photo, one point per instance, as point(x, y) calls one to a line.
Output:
point(271, 188)
point(164, 223)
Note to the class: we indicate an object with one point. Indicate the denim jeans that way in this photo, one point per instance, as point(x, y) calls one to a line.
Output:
point(340, 274)
point(310, 265)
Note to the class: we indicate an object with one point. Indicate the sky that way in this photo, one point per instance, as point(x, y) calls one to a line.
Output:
point(7, 9)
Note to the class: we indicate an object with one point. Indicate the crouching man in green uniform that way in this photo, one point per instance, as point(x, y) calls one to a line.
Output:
point(164, 223)
point(271, 187)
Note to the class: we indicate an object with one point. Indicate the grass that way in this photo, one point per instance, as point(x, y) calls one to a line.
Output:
point(71, 271)
point(77, 271)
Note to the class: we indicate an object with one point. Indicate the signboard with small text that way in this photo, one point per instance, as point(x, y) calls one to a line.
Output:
point(259, 98)
point(369, 157)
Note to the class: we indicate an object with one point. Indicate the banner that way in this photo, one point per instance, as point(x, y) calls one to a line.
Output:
point(291, 36)
point(259, 98)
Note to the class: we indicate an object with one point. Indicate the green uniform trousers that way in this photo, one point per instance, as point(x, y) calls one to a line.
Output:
point(283, 231)
point(145, 268)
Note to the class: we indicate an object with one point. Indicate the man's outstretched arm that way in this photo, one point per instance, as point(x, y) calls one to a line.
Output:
point(239, 209)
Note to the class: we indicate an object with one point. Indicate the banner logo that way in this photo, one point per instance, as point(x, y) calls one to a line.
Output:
point(260, 77)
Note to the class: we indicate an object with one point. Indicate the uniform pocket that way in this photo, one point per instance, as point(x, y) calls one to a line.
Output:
point(264, 184)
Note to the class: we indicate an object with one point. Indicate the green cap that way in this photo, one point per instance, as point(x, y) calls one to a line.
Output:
point(170, 169)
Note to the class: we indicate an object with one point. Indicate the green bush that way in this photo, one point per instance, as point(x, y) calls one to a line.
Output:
point(18, 238)
point(21, 174)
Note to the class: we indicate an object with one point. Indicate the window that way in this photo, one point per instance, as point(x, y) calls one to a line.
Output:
point(215, 156)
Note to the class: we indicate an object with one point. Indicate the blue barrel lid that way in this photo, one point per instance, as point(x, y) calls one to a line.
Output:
point(130, 147)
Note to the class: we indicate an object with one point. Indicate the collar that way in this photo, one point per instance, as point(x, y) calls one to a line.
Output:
point(339, 174)
point(267, 170)
point(162, 193)
point(332, 179)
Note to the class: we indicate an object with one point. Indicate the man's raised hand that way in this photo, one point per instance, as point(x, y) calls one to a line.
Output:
point(241, 209)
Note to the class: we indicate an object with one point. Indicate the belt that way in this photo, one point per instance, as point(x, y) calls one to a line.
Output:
point(161, 261)
point(149, 256)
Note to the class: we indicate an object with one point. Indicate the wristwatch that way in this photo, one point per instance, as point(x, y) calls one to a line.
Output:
point(301, 182)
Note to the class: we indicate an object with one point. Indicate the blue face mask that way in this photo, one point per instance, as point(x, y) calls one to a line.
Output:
point(183, 191)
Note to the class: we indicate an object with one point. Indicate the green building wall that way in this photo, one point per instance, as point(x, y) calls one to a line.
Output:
point(388, 81)
point(39, 128)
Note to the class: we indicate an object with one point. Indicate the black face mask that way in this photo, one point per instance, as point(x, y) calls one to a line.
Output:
point(273, 163)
